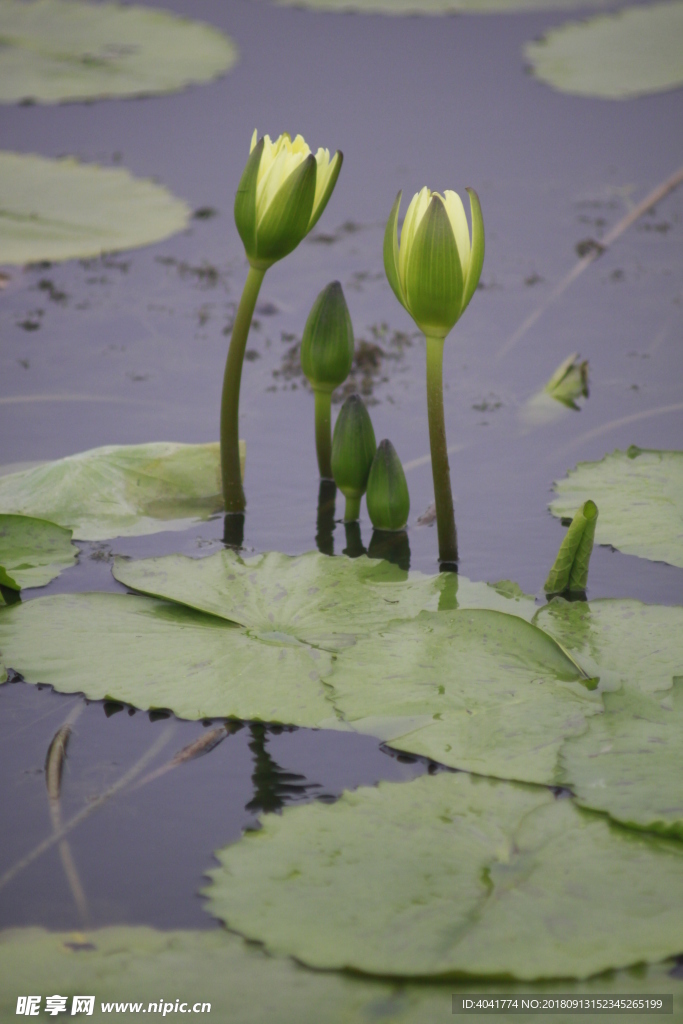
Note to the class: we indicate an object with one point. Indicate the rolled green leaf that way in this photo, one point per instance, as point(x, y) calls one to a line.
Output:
point(570, 571)
point(387, 495)
point(569, 381)
point(353, 449)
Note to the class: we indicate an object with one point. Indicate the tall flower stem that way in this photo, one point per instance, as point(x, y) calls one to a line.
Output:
point(233, 493)
point(445, 518)
point(323, 431)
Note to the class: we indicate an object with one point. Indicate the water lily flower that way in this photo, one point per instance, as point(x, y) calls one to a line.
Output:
point(281, 196)
point(283, 191)
point(434, 273)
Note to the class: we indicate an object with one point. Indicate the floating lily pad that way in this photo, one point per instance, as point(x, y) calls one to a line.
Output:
point(157, 655)
point(632, 53)
point(472, 689)
point(436, 7)
point(120, 490)
point(640, 496)
point(62, 209)
point(626, 643)
point(316, 599)
point(33, 551)
point(453, 874)
point(221, 969)
point(629, 762)
point(55, 50)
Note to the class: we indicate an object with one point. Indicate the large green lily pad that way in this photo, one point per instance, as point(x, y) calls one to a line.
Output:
point(55, 50)
point(436, 7)
point(472, 689)
point(33, 551)
point(629, 762)
point(625, 642)
point(632, 53)
point(62, 209)
point(242, 983)
point(120, 490)
point(640, 496)
point(316, 599)
point(157, 655)
point(453, 874)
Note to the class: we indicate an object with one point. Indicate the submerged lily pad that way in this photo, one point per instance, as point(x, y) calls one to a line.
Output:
point(640, 496)
point(33, 551)
point(436, 7)
point(632, 53)
point(120, 490)
point(55, 50)
point(453, 874)
point(221, 969)
point(629, 762)
point(472, 689)
point(62, 209)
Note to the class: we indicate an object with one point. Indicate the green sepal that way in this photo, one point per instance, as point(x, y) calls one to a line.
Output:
point(245, 201)
point(327, 343)
point(387, 495)
point(570, 570)
point(391, 251)
point(476, 251)
point(353, 447)
point(286, 220)
point(335, 164)
point(433, 277)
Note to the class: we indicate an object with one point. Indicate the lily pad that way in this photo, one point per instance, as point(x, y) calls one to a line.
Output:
point(473, 689)
point(629, 762)
point(221, 969)
point(62, 209)
point(436, 7)
point(55, 50)
point(33, 551)
point(616, 56)
point(453, 875)
point(626, 643)
point(120, 490)
point(640, 496)
point(157, 655)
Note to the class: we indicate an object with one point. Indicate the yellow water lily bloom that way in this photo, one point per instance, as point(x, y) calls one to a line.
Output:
point(436, 268)
point(282, 194)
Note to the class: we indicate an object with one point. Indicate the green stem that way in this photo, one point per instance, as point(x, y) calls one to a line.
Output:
point(352, 508)
point(233, 493)
point(445, 518)
point(323, 432)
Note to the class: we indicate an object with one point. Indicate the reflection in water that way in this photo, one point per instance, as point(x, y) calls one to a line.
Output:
point(392, 545)
point(324, 537)
point(273, 787)
point(8, 595)
point(233, 530)
point(354, 542)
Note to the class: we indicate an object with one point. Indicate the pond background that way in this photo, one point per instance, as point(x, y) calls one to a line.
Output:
point(131, 348)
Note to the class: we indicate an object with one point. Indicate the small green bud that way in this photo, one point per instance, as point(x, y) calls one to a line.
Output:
point(353, 449)
point(570, 571)
point(327, 344)
point(388, 499)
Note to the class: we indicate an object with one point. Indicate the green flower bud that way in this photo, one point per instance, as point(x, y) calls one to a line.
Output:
point(387, 497)
point(353, 449)
point(327, 344)
point(283, 191)
point(570, 570)
point(436, 269)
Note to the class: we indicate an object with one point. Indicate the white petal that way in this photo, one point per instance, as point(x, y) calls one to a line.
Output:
point(458, 219)
point(414, 214)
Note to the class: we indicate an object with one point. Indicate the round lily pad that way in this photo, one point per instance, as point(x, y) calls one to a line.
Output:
point(453, 875)
point(438, 7)
point(33, 551)
point(62, 209)
point(616, 56)
point(640, 496)
point(120, 490)
point(55, 50)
